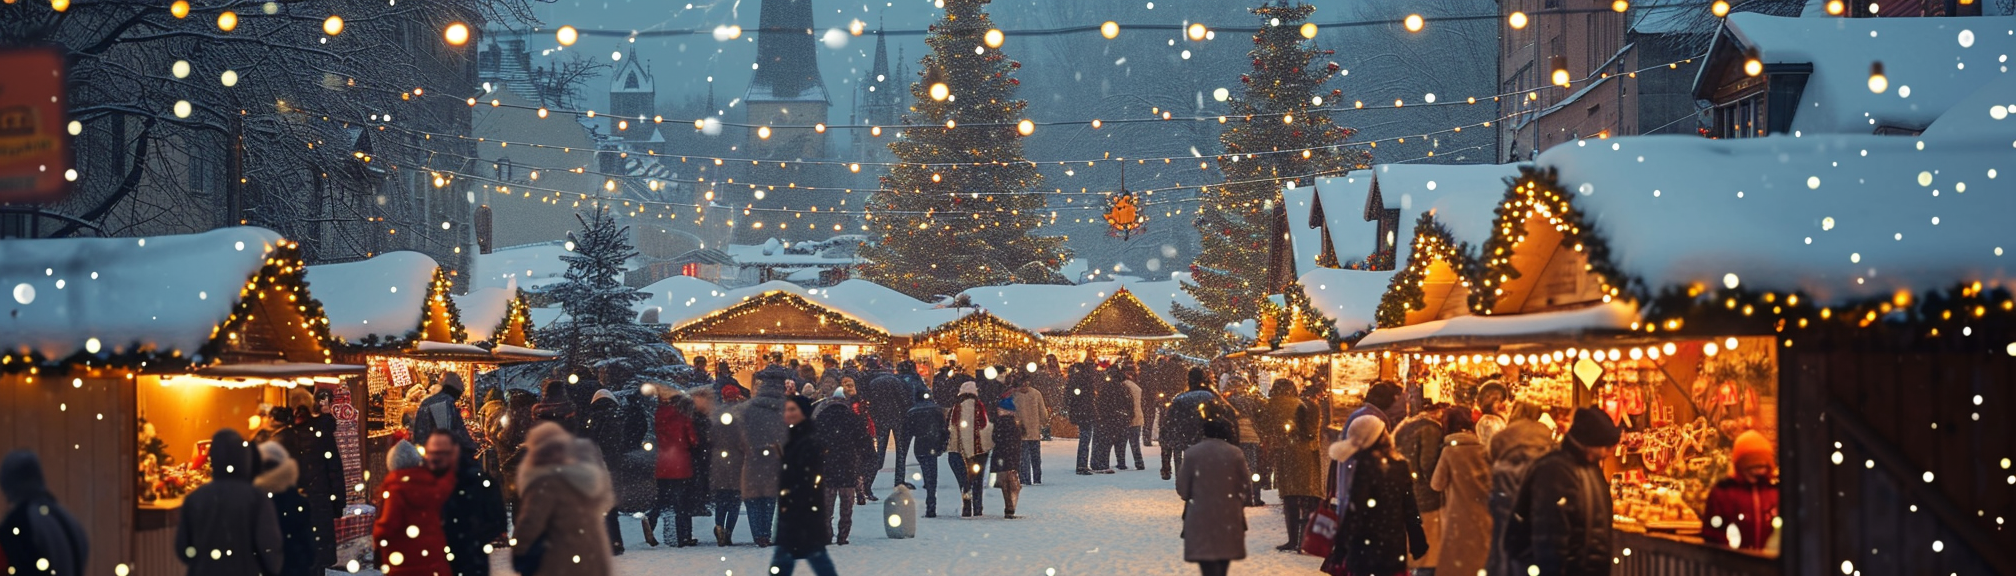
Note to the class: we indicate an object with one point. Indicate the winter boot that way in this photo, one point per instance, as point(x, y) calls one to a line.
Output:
point(1009, 514)
point(763, 542)
point(722, 537)
point(689, 542)
point(650, 535)
point(966, 509)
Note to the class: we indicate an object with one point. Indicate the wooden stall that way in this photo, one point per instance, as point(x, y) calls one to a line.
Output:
point(1103, 319)
point(119, 357)
point(746, 324)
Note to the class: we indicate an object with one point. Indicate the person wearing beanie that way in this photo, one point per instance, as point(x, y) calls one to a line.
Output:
point(1384, 528)
point(1563, 512)
point(845, 449)
point(971, 434)
point(1007, 456)
point(1185, 420)
point(441, 411)
point(1741, 507)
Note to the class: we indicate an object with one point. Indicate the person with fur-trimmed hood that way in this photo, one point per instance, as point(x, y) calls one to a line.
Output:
point(37, 528)
point(277, 475)
point(229, 517)
point(564, 492)
point(1384, 526)
point(971, 438)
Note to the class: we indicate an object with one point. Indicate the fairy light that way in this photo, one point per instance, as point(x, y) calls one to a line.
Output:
point(939, 91)
point(1720, 8)
point(1517, 20)
point(332, 25)
point(227, 21)
point(993, 38)
point(180, 9)
point(1110, 29)
point(1878, 83)
point(1309, 30)
point(1413, 23)
point(456, 34)
point(1196, 32)
point(567, 35)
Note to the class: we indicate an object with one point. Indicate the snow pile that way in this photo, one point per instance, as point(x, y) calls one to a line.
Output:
point(1931, 64)
point(1349, 298)
point(1351, 235)
point(682, 299)
point(534, 266)
point(1460, 330)
point(1462, 196)
point(163, 294)
point(1839, 217)
point(1984, 113)
point(384, 296)
point(482, 311)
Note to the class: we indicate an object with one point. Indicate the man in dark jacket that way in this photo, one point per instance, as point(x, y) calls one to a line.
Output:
point(844, 450)
point(1561, 523)
point(924, 428)
point(1115, 409)
point(1419, 442)
point(1081, 406)
point(1186, 419)
point(440, 412)
point(776, 374)
point(228, 526)
point(312, 443)
point(473, 515)
point(888, 397)
point(604, 424)
point(37, 528)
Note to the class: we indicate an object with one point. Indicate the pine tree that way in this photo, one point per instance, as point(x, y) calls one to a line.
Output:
point(1279, 133)
point(943, 229)
point(600, 331)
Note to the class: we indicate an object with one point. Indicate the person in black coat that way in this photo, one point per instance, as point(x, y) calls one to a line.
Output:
point(924, 425)
point(1558, 524)
point(37, 528)
point(1385, 521)
point(844, 449)
point(776, 374)
point(473, 514)
point(440, 411)
point(1184, 423)
point(604, 424)
point(230, 518)
point(1081, 396)
point(801, 527)
point(888, 397)
point(311, 441)
point(1115, 409)
point(1007, 459)
point(726, 387)
point(277, 476)
point(555, 406)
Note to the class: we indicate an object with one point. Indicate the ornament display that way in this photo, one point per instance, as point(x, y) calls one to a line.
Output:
point(1123, 215)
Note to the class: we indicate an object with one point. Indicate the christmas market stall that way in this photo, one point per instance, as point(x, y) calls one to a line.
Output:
point(744, 325)
point(929, 333)
point(122, 356)
point(1104, 319)
point(500, 320)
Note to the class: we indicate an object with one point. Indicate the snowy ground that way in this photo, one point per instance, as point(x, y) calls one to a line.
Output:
point(1124, 523)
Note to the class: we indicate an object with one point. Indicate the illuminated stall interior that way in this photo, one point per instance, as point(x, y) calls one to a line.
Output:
point(929, 334)
point(749, 323)
point(1103, 319)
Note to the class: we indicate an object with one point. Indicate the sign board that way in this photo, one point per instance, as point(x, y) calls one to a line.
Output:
point(34, 148)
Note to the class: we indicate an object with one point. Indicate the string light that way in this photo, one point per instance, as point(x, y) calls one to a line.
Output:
point(456, 34)
point(1414, 22)
point(1110, 29)
point(567, 35)
point(939, 92)
point(180, 9)
point(1877, 82)
point(332, 25)
point(994, 38)
point(1517, 20)
point(1720, 8)
point(1196, 32)
point(227, 21)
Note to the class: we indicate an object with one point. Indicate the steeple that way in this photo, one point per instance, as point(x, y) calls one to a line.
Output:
point(787, 64)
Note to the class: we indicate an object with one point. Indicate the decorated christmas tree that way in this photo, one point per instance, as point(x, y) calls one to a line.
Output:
point(944, 224)
point(600, 334)
point(1279, 133)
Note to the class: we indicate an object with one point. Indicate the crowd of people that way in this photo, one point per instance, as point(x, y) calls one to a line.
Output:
point(1407, 486)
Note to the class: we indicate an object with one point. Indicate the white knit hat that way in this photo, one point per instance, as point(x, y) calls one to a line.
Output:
point(1362, 434)
point(969, 388)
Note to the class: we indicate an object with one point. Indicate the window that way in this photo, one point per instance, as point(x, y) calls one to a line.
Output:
point(1741, 119)
point(689, 269)
point(504, 169)
point(631, 82)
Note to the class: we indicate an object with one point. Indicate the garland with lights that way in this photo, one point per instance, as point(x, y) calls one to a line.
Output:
point(1142, 323)
point(966, 79)
point(283, 275)
point(1432, 243)
point(1236, 219)
point(978, 331)
point(693, 331)
point(1305, 313)
point(437, 293)
point(1534, 193)
point(517, 312)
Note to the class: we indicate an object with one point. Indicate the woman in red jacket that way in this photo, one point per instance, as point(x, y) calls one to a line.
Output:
point(409, 534)
point(675, 444)
point(1741, 508)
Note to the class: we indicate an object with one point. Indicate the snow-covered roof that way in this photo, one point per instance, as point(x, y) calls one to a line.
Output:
point(1058, 308)
point(166, 294)
point(1482, 330)
point(1839, 217)
point(1162, 296)
point(482, 310)
point(776, 253)
point(1463, 196)
point(533, 266)
point(740, 296)
point(1352, 237)
point(1931, 63)
point(894, 311)
point(1349, 298)
point(1304, 241)
point(385, 296)
point(681, 299)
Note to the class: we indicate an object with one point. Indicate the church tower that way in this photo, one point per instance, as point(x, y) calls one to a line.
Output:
point(633, 101)
point(877, 100)
point(786, 89)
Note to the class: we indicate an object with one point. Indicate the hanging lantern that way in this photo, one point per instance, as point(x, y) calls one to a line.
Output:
point(1123, 214)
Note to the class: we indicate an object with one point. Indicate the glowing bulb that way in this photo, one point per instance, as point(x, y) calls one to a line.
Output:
point(332, 25)
point(939, 91)
point(993, 38)
point(1620, 5)
point(1309, 30)
point(1877, 82)
point(1720, 8)
point(180, 9)
point(1517, 20)
point(1753, 66)
point(1413, 22)
point(1196, 32)
point(1560, 77)
point(1836, 7)
point(1110, 29)
point(457, 34)
point(227, 21)
point(1025, 127)
point(567, 35)
point(763, 133)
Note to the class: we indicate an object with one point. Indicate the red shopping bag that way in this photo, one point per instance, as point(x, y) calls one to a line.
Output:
point(1320, 532)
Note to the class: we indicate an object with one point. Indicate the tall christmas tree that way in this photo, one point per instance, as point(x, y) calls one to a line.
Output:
point(943, 224)
point(1280, 133)
point(600, 332)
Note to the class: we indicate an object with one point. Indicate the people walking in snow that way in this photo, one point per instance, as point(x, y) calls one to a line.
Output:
point(228, 526)
point(1185, 424)
point(971, 438)
point(36, 528)
point(409, 531)
point(757, 431)
point(1563, 513)
point(1007, 456)
point(311, 441)
point(554, 406)
point(1081, 406)
point(844, 449)
point(887, 396)
point(676, 447)
point(1276, 417)
point(473, 514)
point(1418, 440)
point(924, 423)
point(1299, 469)
point(700, 495)
point(441, 411)
point(1031, 414)
point(1246, 406)
point(1742, 506)
point(1463, 477)
point(1513, 451)
point(1213, 481)
point(1115, 406)
point(724, 471)
point(1384, 526)
point(603, 424)
point(277, 476)
point(564, 492)
point(802, 530)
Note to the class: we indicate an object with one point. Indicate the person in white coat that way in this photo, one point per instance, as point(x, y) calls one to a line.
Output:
point(970, 437)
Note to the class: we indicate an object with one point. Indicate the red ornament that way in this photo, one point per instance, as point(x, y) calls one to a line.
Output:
point(1015, 81)
point(1334, 67)
point(1329, 52)
point(1337, 92)
point(1016, 64)
point(1246, 79)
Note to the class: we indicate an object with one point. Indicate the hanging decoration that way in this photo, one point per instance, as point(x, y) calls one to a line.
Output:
point(1123, 215)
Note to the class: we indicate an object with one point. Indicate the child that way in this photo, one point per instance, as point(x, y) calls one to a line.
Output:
point(1008, 432)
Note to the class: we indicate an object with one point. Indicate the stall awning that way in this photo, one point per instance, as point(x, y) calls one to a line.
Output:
point(280, 370)
point(1472, 332)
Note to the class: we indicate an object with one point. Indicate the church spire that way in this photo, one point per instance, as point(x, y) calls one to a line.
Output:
point(787, 64)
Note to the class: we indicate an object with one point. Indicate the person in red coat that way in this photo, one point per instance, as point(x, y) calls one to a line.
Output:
point(409, 533)
point(675, 443)
point(1742, 507)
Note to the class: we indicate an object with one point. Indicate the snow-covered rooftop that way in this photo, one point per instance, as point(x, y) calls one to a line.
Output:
point(1352, 237)
point(1305, 241)
point(1463, 196)
point(1057, 308)
point(482, 310)
point(1349, 298)
point(880, 305)
point(1460, 330)
point(737, 296)
point(1838, 216)
point(681, 299)
point(164, 293)
point(384, 296)
point(533, 266)
point(1931, 63)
